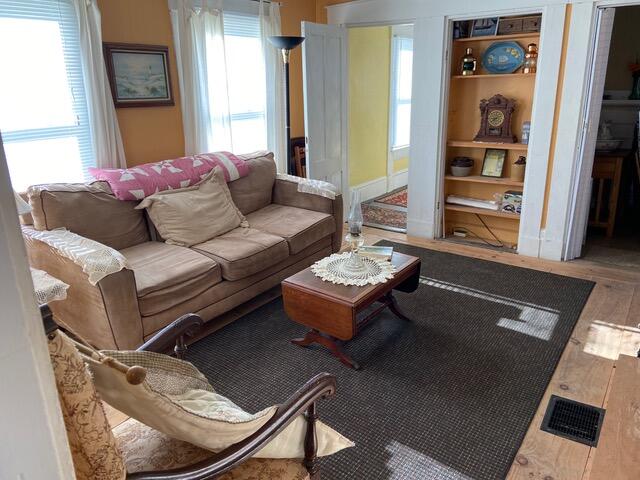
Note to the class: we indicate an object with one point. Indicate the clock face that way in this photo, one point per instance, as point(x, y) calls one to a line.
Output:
point(495, 118)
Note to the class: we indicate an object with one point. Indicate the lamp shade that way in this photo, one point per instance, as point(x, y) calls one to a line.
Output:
point(284, 42)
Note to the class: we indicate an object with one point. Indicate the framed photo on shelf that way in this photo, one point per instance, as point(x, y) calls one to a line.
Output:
point(138, 74)
point(484, 27)
point(493, 162)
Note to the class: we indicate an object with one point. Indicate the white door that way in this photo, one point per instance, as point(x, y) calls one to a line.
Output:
point(582, 194)
point(324, 69)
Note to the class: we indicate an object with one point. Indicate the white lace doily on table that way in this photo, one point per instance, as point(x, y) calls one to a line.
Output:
point(332, 269)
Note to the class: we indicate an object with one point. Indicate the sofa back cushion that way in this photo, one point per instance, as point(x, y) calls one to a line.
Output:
point(192, 215)
point(254, 191)
point(90, 210)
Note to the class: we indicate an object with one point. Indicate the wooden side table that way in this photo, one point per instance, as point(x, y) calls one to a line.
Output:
point(332, 311)
point(607, 167)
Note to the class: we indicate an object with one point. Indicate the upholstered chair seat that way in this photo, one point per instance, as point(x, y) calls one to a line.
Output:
point(146, 449)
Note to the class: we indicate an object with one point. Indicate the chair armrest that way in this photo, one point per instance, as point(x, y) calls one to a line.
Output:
point(303, 401)
point(106, 314)
point(285, 192)
point(173, 335)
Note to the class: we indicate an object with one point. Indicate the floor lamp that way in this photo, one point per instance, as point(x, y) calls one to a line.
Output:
point(286, 44)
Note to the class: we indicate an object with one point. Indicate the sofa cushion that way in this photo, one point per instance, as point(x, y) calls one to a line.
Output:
point(146, 450)
point(299, 227)
point(254, 191)
point(167, 275)
point(192, 215)
point(90, 210)
point(244, 251)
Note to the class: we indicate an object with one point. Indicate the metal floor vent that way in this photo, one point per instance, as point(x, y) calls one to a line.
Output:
point(573, 420)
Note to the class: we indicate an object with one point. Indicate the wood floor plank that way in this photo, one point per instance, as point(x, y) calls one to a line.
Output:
point(583, 375)
point(616, 456)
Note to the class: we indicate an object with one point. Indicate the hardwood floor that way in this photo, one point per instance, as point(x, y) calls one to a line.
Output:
point(587, 371)
point(591, 370)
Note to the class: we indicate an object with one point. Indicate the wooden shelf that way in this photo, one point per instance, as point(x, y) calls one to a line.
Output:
point(513, 36)
point(493, 75)
point(481, 211)
point(479, 179)
point(471, 144)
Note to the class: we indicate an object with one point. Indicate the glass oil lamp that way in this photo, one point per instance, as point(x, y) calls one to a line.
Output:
point(531, 59)
point(469, 63)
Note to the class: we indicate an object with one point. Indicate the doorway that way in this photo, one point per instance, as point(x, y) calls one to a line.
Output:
point(380, 79)
point(605, 228)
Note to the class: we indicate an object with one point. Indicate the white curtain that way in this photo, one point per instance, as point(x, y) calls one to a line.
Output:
point(105, 132)
point(198, 32)
point(274, 69)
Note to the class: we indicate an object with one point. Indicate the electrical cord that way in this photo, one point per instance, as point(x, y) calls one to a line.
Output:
point(475, 235)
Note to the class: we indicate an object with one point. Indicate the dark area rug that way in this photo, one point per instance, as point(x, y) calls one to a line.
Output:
point(449, 396)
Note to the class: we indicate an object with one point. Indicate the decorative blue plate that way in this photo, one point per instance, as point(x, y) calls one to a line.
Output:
point(503, 57)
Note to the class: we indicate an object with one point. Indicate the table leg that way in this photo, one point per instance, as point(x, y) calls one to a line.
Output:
point(314, 336)
point(392, 303)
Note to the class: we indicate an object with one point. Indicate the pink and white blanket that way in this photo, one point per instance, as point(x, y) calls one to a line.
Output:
point(138, 182)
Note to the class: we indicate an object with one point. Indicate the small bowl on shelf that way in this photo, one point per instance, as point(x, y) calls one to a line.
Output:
point(461, 166)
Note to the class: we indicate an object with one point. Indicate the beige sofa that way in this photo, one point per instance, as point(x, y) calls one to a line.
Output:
point(288, 231)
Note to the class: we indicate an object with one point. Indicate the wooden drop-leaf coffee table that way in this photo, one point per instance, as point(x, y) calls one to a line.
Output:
point(332, 311)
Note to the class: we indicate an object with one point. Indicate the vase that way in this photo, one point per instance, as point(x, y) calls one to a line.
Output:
point(354, 237)
point(517, 172)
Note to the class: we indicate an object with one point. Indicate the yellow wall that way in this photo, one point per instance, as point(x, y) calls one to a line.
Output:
point(368, 103)
point(369, 85)
point(148, 133)
point(155, 133)
point(625, 48)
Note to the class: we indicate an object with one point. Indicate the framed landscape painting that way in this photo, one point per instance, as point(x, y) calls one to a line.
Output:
point(138, 74)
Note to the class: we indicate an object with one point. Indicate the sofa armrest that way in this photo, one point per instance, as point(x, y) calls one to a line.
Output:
point(105, 313)
point(285, 192)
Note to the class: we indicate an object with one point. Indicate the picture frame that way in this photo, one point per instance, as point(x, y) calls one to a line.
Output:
point(139, 75)
point(461, 29)
point(493, 163)
point(484, 27)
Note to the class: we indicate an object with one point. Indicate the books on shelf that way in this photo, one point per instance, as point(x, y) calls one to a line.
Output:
point(376, 252)
point(473, 202)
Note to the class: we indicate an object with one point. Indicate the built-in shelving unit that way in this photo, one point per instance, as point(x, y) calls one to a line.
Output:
point(465, 94)
point(480, 179)
point(495, 75)
point(481, 211)
point(472, 144)
point(496, 38)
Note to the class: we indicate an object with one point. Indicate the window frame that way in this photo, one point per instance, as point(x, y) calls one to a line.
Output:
point(398, 33)
point(64, 14)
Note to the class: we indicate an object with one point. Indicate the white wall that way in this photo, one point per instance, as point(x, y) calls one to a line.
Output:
point(33, 442)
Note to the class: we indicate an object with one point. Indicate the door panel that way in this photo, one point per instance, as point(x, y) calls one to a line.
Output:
point(324, 74)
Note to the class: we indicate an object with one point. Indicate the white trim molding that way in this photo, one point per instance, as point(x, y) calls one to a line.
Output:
point(569, 129)
point(371, 189)
point(398, 179)
point(36, 445)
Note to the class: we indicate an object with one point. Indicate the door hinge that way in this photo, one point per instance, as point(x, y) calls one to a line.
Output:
point(438, 206)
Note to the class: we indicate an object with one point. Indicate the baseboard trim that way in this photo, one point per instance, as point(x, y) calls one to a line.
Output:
point(371, 189)
point(399, 179)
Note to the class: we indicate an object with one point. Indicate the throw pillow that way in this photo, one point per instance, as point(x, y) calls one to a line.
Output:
point(176, 399)
point(192, 215)
point(138, 182)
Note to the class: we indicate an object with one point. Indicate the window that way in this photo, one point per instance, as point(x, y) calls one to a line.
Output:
point(246, 80)
point(43, 109)
point(401, 71)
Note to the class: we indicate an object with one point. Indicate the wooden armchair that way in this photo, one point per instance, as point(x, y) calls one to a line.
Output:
point(179, 460)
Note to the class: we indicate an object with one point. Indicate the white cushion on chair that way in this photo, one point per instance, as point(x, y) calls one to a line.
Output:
point(176, 399)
